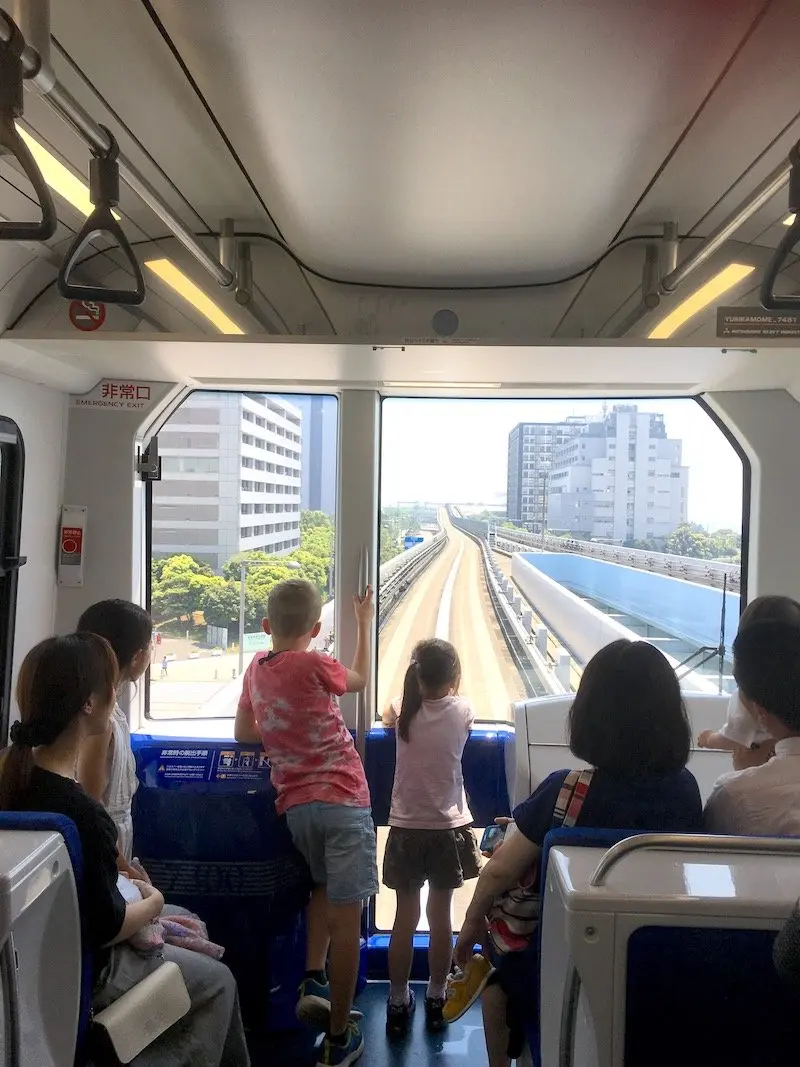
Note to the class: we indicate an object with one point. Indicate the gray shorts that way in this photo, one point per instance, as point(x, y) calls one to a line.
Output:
point(338, 844)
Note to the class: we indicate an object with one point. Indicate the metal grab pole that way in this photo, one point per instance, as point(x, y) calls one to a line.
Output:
point(242, 573)
point(67, 107)
point(761, 195)
point(361, 698)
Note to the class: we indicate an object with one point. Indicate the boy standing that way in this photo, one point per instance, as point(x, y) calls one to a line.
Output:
point(765, 801)
point(289, 703)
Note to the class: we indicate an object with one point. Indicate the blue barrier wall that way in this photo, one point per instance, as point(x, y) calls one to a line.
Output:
point(682, 608)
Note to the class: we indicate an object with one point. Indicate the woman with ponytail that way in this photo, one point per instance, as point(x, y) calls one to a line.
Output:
point(430, 835)
point(66, 692)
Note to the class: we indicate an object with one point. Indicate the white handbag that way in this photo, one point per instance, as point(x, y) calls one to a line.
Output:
point(145, 1012)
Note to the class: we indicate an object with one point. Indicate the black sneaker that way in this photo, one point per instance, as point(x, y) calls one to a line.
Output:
point(434, 1017)
point(398, 1016)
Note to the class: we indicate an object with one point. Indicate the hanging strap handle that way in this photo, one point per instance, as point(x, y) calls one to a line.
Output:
point(768, 299)
point(11, 144)
point(104, 194)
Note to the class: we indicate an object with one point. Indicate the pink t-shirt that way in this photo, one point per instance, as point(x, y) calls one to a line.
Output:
point(428, 791)
point(291, 696)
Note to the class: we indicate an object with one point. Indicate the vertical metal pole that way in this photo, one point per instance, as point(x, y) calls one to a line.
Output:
point(242, 573)
point(227, 245)
point(722, 627)
point(361, 703)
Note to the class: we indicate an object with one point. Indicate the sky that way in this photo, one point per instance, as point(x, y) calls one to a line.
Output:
point(455, 451)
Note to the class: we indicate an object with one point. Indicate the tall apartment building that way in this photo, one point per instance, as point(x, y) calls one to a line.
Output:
point(621, 479)
point(319, 449)
point(531, 446)
point(230, 477)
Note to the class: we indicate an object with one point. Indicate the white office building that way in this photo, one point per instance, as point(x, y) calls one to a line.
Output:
point(531, 446)
point(620, 480)
point(230, 477)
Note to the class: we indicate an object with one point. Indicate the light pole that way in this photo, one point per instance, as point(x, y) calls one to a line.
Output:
point(545, 475)
point(292, 564)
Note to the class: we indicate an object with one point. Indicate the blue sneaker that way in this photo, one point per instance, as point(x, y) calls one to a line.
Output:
point(314, 1005)
point(340, 1053)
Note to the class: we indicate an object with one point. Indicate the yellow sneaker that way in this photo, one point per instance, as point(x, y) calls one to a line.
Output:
point(464, 987)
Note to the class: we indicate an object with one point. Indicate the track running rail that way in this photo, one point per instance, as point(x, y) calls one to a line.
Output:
point(534, 686)
point(399, 574)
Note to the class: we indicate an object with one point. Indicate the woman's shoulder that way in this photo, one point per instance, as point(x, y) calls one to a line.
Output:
point(68, 798)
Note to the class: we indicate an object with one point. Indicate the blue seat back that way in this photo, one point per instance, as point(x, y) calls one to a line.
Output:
point(207, 832)
point(38, 820)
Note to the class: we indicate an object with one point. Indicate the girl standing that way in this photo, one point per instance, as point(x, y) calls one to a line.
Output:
point(66, 692)
point(430, 836)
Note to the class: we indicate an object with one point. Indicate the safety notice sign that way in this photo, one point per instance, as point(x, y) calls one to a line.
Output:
point(184, 764)
point(733, 322)
point(249, 765)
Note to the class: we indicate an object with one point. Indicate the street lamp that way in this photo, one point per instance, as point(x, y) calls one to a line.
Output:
point(545, 476)
point(292, 564)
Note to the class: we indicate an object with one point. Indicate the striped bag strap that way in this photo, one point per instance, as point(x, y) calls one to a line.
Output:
point(571, 797)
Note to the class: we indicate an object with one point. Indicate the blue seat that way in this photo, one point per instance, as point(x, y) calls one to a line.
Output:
point(37, 820)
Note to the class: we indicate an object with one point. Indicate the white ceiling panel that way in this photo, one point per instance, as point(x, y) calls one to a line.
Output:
point(415, 141)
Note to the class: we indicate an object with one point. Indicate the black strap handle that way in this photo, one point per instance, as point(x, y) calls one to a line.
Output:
point(768, 299)
point(11, 144)
point(104, 194)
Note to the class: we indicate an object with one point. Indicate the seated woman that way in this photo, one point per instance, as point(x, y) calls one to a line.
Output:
point(629, 724)
point(106, 766)
point(66, 692)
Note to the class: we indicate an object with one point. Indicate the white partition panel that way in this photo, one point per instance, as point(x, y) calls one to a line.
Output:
point(542, 745)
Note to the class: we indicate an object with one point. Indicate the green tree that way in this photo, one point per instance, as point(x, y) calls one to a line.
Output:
point(315, 520)
point(231, 569)
point(689, 539)
point(219, 603)
point(177, 591)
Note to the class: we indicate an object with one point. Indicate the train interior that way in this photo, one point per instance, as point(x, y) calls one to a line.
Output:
point(405, 226)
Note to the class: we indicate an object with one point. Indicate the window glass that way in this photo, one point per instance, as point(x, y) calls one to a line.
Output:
point(213, 521)
point(508, 526)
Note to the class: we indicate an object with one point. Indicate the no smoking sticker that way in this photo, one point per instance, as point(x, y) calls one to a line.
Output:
point(87, 315)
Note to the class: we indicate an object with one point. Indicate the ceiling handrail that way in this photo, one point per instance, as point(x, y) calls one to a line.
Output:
point(104, 194)
point(11, 144)
point(769, 300)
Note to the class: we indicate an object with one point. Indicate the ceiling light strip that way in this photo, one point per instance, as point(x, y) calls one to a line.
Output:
point(700, 299)
point(166, 270)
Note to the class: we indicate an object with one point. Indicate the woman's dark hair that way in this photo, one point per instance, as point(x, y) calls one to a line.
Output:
point(628, 716)
point(770, 609)
point(57, 679)
point(434, 667)
point(127, 627)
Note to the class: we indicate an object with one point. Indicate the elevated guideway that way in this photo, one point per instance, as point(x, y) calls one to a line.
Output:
point(701, 571)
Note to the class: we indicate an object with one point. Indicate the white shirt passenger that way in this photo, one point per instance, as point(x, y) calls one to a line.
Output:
point(428, 791)
point(759, 801)
point(740, 726)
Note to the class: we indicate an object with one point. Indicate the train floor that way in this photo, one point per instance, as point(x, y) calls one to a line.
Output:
point(460, 1044)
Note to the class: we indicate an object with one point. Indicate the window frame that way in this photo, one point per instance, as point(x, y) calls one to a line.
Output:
point(12, 479)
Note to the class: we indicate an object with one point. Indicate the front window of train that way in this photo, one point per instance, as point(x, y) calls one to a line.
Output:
point(247, 497)
point(530, 533)
point(507, 524)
